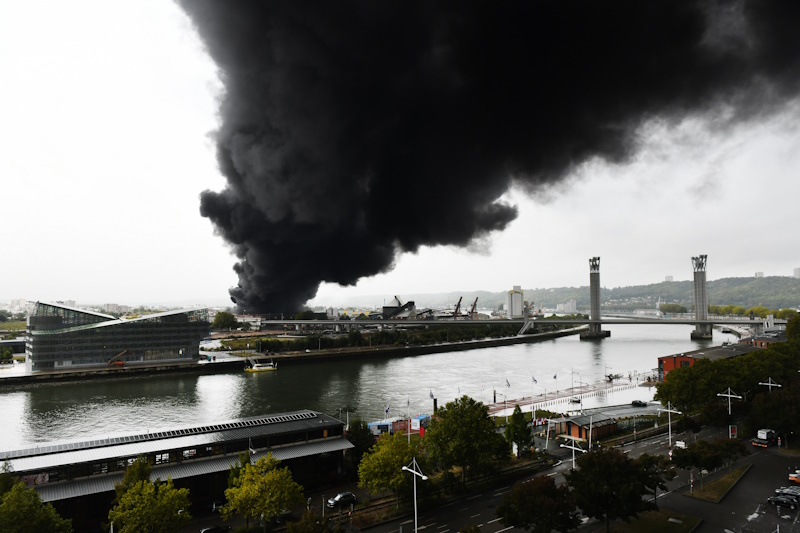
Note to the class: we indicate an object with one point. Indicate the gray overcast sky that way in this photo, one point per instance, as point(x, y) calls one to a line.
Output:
point(105, 118)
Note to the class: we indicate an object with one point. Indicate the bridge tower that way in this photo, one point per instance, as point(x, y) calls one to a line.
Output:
point(594, 296)
point(701, 331)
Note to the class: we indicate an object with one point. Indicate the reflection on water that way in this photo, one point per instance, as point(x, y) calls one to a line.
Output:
point(46, 413)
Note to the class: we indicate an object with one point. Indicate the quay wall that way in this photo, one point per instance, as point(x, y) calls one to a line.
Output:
point(221, 367)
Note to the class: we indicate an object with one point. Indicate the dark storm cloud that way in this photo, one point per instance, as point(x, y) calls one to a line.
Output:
point(352, 131)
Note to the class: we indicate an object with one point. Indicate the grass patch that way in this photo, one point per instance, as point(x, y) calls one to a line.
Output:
point(657, 522)
point(17, 325)
point(715, 490)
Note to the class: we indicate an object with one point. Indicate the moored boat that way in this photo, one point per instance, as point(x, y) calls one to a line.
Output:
point(261, 367)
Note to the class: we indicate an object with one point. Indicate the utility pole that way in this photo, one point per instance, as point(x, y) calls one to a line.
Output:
point(769, 384)
point(669, 411)
point(573, 448)
point(730, 394)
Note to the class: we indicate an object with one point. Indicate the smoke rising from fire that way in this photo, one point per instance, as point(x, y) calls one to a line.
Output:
point(354, 131)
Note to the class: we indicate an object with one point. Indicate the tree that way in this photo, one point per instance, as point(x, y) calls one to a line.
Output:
point(540, 506)
point(608, 485)
point(462, 434)
point(304, 315)
point(5, 316)
point(23, 511)
point(793, 329)
point(7, 479)
point(150, 506)
point(262, 489)
point(518, 431)
point(310, 522)
point(224, 320)
point(381, 468)
point(138, 470)
point(656, 471)
point(362, 439)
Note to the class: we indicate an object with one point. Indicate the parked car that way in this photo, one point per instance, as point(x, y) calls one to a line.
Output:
point(638, 403)
point(342, 499)
point(790, 491)
point(784, 501)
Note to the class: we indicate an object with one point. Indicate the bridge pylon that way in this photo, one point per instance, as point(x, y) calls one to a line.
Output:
point(594, 296)
point(701, 331)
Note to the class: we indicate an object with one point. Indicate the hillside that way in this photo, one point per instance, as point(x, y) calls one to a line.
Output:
point(774, 292)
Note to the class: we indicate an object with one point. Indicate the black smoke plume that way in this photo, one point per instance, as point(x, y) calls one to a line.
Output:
point(352, 131)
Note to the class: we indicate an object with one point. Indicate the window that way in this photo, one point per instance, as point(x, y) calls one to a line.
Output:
point(162, 458)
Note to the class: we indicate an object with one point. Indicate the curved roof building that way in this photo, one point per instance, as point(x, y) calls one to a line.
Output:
point(61, 337)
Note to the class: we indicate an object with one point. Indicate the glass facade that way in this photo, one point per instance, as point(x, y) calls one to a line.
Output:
point(61, 337)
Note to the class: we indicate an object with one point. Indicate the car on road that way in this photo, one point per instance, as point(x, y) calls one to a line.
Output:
point(638, 403)
point(795, 476)
point(784, 501)
point(342, 499)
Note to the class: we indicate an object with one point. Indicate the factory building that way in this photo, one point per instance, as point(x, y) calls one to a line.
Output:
point(61, 337)
point(514, 303)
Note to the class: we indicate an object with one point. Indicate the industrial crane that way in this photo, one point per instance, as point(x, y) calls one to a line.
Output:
point(458, 308)
point(472, 311)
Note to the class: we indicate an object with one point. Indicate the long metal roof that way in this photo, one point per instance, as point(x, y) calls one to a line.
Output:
point(113, 322)
point(195, 467)
point(56, 454)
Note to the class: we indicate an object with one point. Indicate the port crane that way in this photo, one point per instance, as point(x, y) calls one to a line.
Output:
point(472, 311)
point(457, 309)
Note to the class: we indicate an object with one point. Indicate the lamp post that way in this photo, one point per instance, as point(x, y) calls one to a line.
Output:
point(415, 469)
point(770, 383)
point(669, 411)
point(729, 394)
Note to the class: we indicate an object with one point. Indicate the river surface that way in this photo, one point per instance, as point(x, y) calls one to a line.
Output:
point(79, 411)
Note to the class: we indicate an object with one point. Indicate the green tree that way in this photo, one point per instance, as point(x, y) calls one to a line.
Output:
point(608, 485)
point(138, 470)
point(151, 506)
point(23, 511)
point(362, 440)
point(5, 316)
point(518, 431)
point(463, 434)
point(738, 310)
point(6, 355)
point(381, 468)
point(656, 470)
point(7, 478)
point(262, 489)
point(672, 309)
point(224, 320)
point(538, 505)
point(793, 329)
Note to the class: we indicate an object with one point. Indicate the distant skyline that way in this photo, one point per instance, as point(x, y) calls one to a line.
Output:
point(104, 126)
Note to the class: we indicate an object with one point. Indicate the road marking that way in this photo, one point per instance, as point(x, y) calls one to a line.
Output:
point(552, 474)
point(464, 509)
point(475, 515)
point(476, 496)
point(493, 521)
point(443, 525)
point(506, 529)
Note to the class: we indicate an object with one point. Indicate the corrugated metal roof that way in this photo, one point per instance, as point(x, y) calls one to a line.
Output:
point(264, 425)
point(198, 467)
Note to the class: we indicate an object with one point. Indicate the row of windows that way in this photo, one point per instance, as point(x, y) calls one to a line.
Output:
point(117, 465)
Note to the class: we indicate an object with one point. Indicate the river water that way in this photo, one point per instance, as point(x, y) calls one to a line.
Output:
point(79, 411)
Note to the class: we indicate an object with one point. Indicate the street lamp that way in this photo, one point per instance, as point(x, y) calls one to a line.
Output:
point(415, 469)
point(729, 394)
point(669, 411)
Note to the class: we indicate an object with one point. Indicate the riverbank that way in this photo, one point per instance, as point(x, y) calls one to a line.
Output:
point(13, 377)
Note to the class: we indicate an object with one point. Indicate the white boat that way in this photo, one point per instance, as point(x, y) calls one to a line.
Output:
point(262, 367)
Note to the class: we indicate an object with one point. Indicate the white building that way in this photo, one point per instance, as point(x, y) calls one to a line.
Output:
point(668, 278)
point(797, 273)
point(514, 306)
point(759, 274)
point(571, 307)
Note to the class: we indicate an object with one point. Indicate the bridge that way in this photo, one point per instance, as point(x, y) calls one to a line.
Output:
point(703, 324)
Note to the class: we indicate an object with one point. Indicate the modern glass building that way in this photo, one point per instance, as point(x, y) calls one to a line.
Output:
point(62, 337)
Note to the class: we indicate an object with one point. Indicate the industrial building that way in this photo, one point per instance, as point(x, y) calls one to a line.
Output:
point(668, 363)
point(514, 307)
point(79, 477)
point(61, 337)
